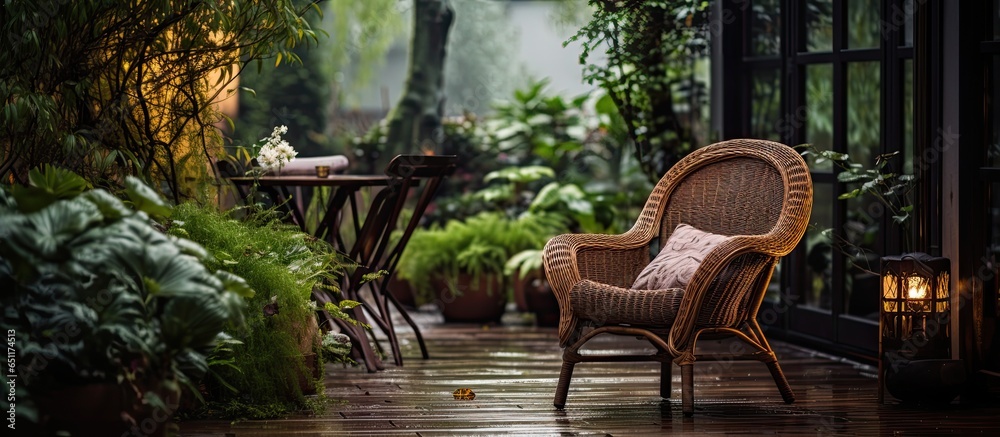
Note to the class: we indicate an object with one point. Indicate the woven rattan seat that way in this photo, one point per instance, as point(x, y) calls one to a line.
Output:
point(758, 193)
point(607, 304)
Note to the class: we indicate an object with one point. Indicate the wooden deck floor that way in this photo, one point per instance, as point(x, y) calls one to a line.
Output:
point(513, 371)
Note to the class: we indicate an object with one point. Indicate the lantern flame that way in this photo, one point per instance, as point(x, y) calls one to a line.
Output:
point(917, 290)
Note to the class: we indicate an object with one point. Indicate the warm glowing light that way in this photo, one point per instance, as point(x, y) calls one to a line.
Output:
point(917, 292)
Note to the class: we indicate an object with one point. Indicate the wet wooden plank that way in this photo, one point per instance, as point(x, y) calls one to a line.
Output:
point(514, 370)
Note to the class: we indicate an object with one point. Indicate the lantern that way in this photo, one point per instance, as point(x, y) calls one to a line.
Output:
point(914, 330)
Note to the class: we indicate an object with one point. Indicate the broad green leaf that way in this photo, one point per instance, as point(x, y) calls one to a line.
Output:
point(834, 156)
point(605, 105)
point(495, 193)
point(523, 262)
point(145, 199)
point(521, 174)
point(189, 247)
point(52, 228)
point(59, 182)
point(235, 284)
point(110, 206)
point(546, 197)
point(47, 186)
point(348, 304)
point(849, 176)
point(31, 199)
point(850, 194)
point(192, 320)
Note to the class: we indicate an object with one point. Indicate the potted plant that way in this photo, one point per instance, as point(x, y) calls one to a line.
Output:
point(460, 266)
point(525, 269)
point(113, 318)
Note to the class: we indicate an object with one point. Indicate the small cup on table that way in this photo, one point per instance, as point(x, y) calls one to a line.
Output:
point(322, 171)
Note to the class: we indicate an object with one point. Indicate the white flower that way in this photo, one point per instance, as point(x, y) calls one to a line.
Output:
point(275, 152)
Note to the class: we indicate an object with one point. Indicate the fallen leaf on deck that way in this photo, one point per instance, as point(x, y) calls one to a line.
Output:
point(465, 394)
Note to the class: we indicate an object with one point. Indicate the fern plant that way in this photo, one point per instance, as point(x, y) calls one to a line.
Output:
point(480, 245)
point(283, 265)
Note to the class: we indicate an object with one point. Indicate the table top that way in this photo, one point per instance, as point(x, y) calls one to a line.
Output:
point(313, 181)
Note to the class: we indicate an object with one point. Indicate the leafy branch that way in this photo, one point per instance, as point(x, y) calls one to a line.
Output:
point(891, 189)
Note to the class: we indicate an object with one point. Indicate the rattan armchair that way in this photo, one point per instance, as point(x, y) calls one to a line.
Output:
point(758, 192)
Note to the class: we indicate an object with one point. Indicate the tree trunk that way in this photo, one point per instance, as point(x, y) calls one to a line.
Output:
point(416, 118)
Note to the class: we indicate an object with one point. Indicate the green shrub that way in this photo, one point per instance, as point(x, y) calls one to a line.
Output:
point(97, 294)
point(283, 265)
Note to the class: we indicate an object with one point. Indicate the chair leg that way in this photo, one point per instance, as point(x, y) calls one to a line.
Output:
point(781, 382)
point(562, 389)
point(666, 369)
point(687, 389)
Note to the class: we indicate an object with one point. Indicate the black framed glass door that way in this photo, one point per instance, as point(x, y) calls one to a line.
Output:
point(836, 75)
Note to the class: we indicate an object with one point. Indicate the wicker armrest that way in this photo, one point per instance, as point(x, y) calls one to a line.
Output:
point(716, 269)
point(610, 259)
point(605, 258)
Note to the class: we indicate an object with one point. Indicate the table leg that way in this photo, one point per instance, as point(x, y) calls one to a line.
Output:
point(406, 316)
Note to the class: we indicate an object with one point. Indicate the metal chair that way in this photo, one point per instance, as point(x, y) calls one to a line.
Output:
point(758, 192)
point(376, 249)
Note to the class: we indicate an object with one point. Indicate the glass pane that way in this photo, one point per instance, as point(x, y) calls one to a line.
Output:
point(908, 8)
point(819, 261)
point(773, 292)
point(765, 102)
point(861, 230)
point(993, 154)
point(908, 116)
point(819, 111)
point(996, 19)
point(765, 22)
point(819, 25)
point(860, 246)
point(863, 24)
point(863, 112)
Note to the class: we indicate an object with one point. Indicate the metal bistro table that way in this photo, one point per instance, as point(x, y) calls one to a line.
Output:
point(372, 248)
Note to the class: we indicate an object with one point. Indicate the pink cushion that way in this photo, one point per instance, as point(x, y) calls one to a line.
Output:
point(674, 266)
point(307, 166)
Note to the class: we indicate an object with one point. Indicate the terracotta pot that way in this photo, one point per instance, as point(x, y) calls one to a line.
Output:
point(309, 343)
point(542, 302)
point(477, 301)
point(519, 285)
point(313, 372)
point(98, 409)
